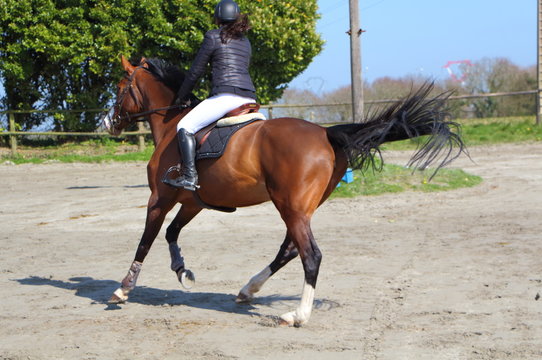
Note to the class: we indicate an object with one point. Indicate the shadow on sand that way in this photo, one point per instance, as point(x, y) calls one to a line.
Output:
point(99, 292)
point(106, 187)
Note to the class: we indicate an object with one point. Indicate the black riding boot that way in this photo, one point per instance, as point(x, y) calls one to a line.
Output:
point(188, 179)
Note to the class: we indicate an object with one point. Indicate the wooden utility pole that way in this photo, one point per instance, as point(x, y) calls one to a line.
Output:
point(355, 62)
point(539, 66)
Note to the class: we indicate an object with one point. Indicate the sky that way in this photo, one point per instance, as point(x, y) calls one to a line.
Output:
point(419, 37)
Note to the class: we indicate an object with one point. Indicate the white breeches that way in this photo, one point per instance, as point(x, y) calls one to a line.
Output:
point(210, 110)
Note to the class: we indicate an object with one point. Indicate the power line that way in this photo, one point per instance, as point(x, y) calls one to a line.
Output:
point(335, 7)
point(373, 5)
point(343, 17)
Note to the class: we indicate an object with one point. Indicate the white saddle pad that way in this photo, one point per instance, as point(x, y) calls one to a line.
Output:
point(233, 120)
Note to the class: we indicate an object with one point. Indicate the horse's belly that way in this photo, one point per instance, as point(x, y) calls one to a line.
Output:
point(233, 194)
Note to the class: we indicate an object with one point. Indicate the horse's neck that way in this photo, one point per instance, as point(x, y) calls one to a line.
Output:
point(162, 121)
point(162, 125)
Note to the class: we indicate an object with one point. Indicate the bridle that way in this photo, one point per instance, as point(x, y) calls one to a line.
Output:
point(117, 119)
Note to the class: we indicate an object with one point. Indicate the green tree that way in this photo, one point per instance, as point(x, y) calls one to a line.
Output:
point(64, 54)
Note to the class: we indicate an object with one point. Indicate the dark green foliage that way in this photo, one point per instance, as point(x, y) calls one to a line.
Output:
point(64, 54)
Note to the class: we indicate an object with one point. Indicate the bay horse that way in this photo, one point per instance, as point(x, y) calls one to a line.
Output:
point(294, 163)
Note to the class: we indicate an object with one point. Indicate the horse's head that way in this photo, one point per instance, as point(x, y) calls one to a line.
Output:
point(128, 102)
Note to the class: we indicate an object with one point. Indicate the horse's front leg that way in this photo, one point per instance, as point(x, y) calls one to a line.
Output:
point(183, 217)
point(156, 212)
point(286, 253)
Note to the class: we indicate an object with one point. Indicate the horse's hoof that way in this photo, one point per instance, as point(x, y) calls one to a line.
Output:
point(292, 319)
point(118, 297)
point(115, 300)
point(187, 279)
point(243, 298)
point(287, 319)
point(283, 322)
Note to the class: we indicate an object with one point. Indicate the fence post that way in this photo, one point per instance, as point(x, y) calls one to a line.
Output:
point(539, 65)
point(12, 138)
point(270, 112)
point(141, 137)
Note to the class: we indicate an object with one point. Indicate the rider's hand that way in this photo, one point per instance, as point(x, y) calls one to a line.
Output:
point(185, 102)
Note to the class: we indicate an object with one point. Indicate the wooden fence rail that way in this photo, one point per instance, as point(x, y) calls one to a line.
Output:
point(142, 132)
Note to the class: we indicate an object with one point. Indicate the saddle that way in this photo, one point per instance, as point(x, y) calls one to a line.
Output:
point(212, 139)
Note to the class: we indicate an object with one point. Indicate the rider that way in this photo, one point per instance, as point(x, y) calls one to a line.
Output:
point(228, 51)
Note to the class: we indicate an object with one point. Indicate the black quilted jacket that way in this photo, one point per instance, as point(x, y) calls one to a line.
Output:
point(229, 63)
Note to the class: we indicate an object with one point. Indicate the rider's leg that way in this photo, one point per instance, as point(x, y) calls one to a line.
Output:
point(188, 179)
point(202, 115)
point(210, 110)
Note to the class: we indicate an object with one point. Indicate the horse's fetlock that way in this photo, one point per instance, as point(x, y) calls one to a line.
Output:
point(177, 261)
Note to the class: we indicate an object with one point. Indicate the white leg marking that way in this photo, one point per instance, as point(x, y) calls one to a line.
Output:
point(254, 285)
point(302, 314)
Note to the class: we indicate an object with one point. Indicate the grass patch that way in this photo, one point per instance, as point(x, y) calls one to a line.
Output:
point(391, 179)
point(487, 132)
point(395, 178)
point(94, 151)
point(495, 131)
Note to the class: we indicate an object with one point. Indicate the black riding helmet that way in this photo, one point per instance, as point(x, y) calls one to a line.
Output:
point(226, 11)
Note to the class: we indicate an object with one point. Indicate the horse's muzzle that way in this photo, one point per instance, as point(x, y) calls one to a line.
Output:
point(109, 121)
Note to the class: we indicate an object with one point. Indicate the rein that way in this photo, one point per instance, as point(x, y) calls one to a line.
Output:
point(139, 116)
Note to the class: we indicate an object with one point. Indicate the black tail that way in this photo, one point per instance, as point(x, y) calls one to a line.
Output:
point(414, 116)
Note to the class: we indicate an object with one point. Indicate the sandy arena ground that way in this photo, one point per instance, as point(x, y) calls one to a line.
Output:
point(452, 275)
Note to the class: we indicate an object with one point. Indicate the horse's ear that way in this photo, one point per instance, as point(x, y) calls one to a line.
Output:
point(126, 65)
point(143, 62)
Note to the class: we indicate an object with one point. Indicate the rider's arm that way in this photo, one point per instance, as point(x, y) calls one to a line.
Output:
point(198, 66)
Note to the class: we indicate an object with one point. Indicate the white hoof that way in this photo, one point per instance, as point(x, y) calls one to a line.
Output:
point(292, 318)
point(302, 314)
point(119, 296)
point(187, 279)
point(246, 294)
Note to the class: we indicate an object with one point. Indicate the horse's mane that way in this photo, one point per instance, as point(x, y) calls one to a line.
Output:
point(165, 72)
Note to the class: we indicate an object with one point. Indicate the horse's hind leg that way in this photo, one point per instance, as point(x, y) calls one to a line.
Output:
point(286, 253)
point(183, 217)
point(156, 213)
point(301, 234)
